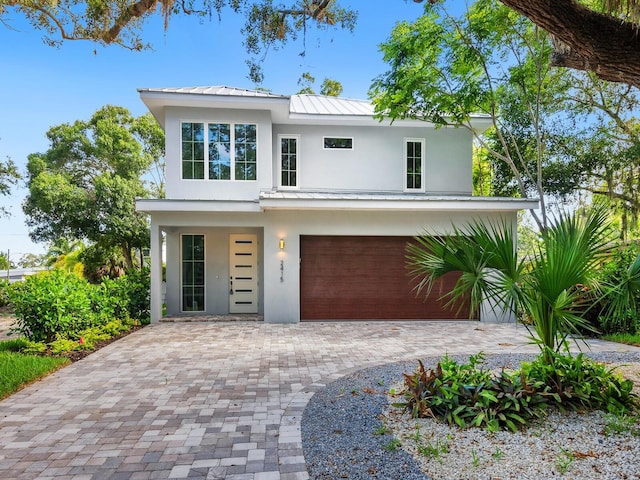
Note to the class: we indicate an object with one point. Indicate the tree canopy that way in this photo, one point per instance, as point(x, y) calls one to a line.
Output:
point(600, 36)
point(84, 187)
point(9, 176)
point(268, 24)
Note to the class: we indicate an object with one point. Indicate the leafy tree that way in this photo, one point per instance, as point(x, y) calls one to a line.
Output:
point(84, 187)
point(490, 60)
point(5, 264)
point(331, 88)
point(9, 176)
point(268, 24)
point(598, 36)
point(31, 260)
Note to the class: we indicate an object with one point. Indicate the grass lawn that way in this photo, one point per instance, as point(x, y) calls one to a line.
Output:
point(18, 370)
point(626, 338)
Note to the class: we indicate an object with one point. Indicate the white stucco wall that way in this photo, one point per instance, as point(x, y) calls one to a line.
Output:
point(376, 162)
point(177, 188)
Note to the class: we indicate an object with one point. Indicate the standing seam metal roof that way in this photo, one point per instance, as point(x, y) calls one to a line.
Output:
point(298, 104)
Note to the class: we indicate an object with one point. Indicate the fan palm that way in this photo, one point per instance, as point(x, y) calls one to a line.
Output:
point(547, 288)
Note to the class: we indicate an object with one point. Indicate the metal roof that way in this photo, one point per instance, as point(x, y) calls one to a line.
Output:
point(219, 90)
point(323, 105)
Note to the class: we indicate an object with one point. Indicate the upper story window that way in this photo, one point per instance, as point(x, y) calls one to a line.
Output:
point(229, 148)
point(289, 161)
point(414, 163)
point(338, 143)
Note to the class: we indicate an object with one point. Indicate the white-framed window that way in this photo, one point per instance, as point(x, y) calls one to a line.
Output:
point(219, 151)
point(192, 273)
point(337, 143)
point(289, 155)
point(414, 155)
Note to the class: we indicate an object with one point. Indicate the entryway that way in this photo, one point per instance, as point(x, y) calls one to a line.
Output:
point(243, 273)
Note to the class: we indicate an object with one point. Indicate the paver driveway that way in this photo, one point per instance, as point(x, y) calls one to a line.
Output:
point(208, 400)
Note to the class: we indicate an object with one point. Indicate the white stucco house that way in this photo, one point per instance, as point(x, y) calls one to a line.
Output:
point(297, 208)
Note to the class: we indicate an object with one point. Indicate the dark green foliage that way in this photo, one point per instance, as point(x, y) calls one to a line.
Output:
point(576, 382)
point(57, 303)
point(618, 310)
point(467, 395)
point(4, 292)
point(52, 302)
point(127, 296)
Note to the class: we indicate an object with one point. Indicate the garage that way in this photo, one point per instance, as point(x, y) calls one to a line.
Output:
point(364, 278)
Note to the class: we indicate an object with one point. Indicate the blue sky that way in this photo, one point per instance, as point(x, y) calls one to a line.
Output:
point(42, 86)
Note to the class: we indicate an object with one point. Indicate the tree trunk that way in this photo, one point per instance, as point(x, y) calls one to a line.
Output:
point(585, 39)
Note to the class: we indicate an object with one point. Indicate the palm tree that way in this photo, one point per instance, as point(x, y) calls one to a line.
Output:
point(546, 288)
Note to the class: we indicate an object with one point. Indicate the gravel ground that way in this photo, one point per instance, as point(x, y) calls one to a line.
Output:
point(343, 437)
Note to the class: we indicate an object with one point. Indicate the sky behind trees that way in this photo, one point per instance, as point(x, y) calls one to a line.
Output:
point(42, 86)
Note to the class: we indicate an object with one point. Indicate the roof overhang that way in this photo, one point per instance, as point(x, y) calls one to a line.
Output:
point(391, 202)
point(173, 206)
point(340, 201)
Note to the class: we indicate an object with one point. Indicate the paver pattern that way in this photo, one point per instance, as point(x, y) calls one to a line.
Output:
point(210, 400)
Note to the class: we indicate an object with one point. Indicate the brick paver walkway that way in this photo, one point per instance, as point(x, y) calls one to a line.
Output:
point(209, 400)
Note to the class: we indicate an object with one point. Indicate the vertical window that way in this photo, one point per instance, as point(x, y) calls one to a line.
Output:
point(193, 273)
point(224, 147)
point(414, 163)
point(219, 151)
point(193, 150)
point(288, 161)
point(245, 143)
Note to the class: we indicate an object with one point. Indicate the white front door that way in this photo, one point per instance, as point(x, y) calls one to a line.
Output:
point(243, 273)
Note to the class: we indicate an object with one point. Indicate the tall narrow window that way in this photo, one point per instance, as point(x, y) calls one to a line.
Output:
point(289, 161)
point(193, 150)
point(245, 150)
point(414, 163)
point(193, 273)
point(219, 151)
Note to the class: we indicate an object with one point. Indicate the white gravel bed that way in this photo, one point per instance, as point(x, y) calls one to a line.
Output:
point(564, 445)
point(349, 430)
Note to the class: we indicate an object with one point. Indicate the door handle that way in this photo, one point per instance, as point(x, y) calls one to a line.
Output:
point(231, 285)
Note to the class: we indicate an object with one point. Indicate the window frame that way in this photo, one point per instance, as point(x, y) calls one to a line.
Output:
point(206, 145)
point(338, 149)
point(295, 137)
point(405, 159)
point(204, 273)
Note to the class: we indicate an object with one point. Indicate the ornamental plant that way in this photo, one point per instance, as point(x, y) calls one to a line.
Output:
point(545, 289)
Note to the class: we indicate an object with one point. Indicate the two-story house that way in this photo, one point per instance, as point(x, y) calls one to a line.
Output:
point(300, 207)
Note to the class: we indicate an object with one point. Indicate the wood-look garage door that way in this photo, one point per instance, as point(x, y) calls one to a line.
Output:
point(364, 278)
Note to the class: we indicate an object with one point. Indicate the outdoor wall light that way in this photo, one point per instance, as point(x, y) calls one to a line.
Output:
point(281, 244)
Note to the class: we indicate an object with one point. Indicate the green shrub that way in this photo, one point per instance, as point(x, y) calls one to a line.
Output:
point(609, 277)
point(579, 382)
point(124, 297)
point(467, 395)
point(4, 292)
point(51, 303)
point(63, 345)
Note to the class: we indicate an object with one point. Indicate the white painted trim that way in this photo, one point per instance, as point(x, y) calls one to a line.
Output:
point(164, 205)
point(279, 160)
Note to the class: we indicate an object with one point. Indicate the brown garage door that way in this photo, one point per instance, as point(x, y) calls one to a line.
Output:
point(364, 278)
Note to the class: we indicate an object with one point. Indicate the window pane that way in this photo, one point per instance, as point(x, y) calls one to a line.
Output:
point(192, 150)
point(193, 273)
point(219, 151)
point(338, 143)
